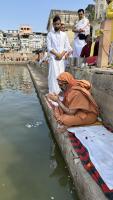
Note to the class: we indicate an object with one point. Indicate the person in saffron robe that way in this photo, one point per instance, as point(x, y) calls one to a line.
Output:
point(78, 106)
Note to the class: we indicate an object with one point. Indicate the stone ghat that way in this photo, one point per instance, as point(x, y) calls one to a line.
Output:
point(86, 187)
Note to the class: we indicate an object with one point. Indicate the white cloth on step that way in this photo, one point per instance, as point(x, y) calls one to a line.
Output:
point(99, 143)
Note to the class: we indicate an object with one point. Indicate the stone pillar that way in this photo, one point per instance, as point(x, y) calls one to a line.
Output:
point(104, 43)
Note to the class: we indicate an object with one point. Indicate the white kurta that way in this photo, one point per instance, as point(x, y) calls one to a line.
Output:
point(79, 44)
point(59, 42)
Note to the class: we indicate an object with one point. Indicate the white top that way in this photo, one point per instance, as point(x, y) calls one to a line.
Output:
point(83, 24)
point(58, 41)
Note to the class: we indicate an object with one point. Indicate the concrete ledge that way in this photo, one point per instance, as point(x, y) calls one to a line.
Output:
point(13, 62)
point(86, 187)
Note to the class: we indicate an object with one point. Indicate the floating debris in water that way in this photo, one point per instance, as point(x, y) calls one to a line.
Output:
point(52, 197)
point(53, 164)
point(99, 119)
point(28, 125)
point(38, 123)
point(33, 125)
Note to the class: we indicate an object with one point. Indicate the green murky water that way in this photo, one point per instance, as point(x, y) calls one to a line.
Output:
point(31, 166)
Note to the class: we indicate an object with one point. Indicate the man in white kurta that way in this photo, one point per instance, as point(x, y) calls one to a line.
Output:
point(82, 26)
point(58, 45)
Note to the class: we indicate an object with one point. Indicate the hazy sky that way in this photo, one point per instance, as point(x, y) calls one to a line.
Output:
point(14, 13)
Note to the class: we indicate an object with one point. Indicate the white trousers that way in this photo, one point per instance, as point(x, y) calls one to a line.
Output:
point(78, 45)
point(56, 67)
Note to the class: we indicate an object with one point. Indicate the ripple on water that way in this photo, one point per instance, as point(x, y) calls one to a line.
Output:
point(34, 125)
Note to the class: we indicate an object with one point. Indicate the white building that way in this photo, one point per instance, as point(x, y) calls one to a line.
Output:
point(11, 39)
point(13, 42)
point(37, 40)
point(24, 45)
point(13, 32)
point(1, 38)
point(23, 40)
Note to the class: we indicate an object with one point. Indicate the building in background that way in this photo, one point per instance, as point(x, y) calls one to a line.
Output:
point(25, 31)
point(11, 39)
point(23, 40)
point(38, 40)
point(1, 38)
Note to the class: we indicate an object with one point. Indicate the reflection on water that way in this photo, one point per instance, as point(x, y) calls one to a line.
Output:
point(31, 125)
point(31, 166)
point(56, 165)
point(15, 78)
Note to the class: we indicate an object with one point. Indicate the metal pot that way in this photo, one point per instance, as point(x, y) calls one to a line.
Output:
point(72, 61)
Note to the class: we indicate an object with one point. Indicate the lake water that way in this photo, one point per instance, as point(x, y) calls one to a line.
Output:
point(31, 165)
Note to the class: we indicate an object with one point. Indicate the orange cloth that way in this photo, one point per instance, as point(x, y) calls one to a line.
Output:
point(77, 97)
point(81, 99)
point(65, 76)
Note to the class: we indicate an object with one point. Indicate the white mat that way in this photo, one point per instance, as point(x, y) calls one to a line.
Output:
point(99, 143)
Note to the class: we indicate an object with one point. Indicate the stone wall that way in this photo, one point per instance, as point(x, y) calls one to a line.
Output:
point(102, 90)
point(43, 68)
